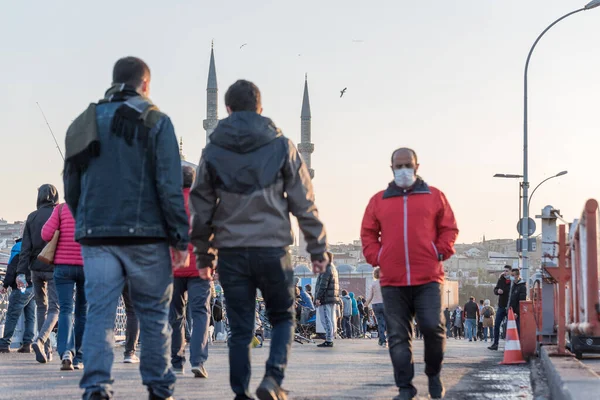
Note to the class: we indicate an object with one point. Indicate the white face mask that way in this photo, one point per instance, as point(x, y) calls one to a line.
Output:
point(404, 177)
point(512, 278)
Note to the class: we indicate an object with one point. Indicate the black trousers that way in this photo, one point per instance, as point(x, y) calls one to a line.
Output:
point(402, 304)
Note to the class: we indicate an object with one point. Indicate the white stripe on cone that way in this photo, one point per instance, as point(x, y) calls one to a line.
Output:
point(512, 345)
point(511, 325)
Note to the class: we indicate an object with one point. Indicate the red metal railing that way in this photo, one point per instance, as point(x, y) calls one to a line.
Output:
point(582, 260)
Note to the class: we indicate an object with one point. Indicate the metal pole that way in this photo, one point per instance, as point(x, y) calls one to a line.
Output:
point(525, 223)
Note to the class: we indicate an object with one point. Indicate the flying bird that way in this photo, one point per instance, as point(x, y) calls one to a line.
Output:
point(342, 92)
point(245, 44)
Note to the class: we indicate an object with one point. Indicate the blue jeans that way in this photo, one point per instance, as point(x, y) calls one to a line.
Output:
point(198, 292)
point(380, 317)
point(501, 313)
point(401, 305)
point(19, 303)
point(70, 336)
point(326, 314)
point(471, 329)
point(487, 330)
point(241, 272)
point(147, 269)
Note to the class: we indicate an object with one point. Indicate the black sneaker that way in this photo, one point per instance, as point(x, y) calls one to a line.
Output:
point(270, 390)
point(40, 351)
point(98, 396)
point(200, 371)
point(436, 387)
point(325, 344)
point(25, 348)
point(404, 395)
point(152, 396)
point(5, 350)
point(493, 347)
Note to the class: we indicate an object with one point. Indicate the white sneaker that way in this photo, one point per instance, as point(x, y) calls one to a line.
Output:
point(132, 359)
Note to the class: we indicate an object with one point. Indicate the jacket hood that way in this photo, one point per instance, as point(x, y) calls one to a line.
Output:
point(346, 296)
point(352, 294)
point(244, 131)
point(47, 195)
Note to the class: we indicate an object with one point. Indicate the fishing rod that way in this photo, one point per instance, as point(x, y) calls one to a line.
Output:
point(52, 133)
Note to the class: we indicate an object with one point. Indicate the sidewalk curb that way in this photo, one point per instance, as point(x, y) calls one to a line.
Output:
point(568, 378)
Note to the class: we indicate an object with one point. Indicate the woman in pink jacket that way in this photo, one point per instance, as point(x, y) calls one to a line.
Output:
point(68, 273)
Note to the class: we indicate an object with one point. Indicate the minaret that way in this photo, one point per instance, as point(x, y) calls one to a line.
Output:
point(305, 147)
point(212, 103)
point(181, 149)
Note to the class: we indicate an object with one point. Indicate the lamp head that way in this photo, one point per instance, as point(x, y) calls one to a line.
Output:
point(561, 173)
point(592, 4)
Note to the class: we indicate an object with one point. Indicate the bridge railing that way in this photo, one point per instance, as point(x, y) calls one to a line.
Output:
point(582, 259)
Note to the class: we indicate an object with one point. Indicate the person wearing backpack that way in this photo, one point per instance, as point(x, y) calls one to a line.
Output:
point(488, 320)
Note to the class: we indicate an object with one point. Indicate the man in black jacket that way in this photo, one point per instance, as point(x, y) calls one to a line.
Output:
point(471, 318)
point(518, 294)
point(42, 275)
point(250, 178)
point(327, 296)
point(18, 302)
point(502, 290)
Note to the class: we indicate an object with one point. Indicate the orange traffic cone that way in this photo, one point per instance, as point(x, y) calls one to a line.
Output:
point(512, 348)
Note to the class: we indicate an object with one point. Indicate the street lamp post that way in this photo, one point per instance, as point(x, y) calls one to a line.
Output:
point(525, 220)
point(561, 173)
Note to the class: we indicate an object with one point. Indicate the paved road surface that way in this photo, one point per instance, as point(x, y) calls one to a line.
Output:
point(355, 369)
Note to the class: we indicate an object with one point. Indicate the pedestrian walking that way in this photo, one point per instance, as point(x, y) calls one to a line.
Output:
point(376, 299)
point(408, 230)
point(190, 289)
point(502, 290)
point(326, 298)
point(123, 185)
point(250, 178)
point(42, 274)
point(69, 277)
point(19, 303)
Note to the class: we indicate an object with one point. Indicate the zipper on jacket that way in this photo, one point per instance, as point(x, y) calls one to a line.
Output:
point(437, 255)
point(406, 240)
point(379, 254)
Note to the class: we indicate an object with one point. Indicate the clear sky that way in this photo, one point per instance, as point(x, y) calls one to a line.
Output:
point(444, 77)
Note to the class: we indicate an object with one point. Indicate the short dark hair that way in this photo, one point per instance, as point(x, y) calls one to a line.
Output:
point(344, 292)
point(472, 298)
point(308, 288)
point(481, 301)
point(130, 71)
point(414, 153)
point(243, 96)
point(189, 174)
point(508, 267)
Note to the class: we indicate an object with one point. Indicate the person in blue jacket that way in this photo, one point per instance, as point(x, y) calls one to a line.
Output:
point(356, 330)
point(18, 302)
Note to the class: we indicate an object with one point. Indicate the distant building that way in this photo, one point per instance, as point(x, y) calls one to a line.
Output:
point(8, 233)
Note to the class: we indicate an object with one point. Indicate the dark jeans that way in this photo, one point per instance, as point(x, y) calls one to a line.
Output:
point(241, 272)
point(19, 303)
point(500, 315)
point(198, 292)
point(46, 300)
point(381, 326)
point(347, 326)
point(402, 304)
point(132, 330)
point(147, 269)
point(70, 336)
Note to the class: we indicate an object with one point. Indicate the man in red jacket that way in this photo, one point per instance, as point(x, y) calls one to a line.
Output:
point(408, 230)
point(188, 286)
